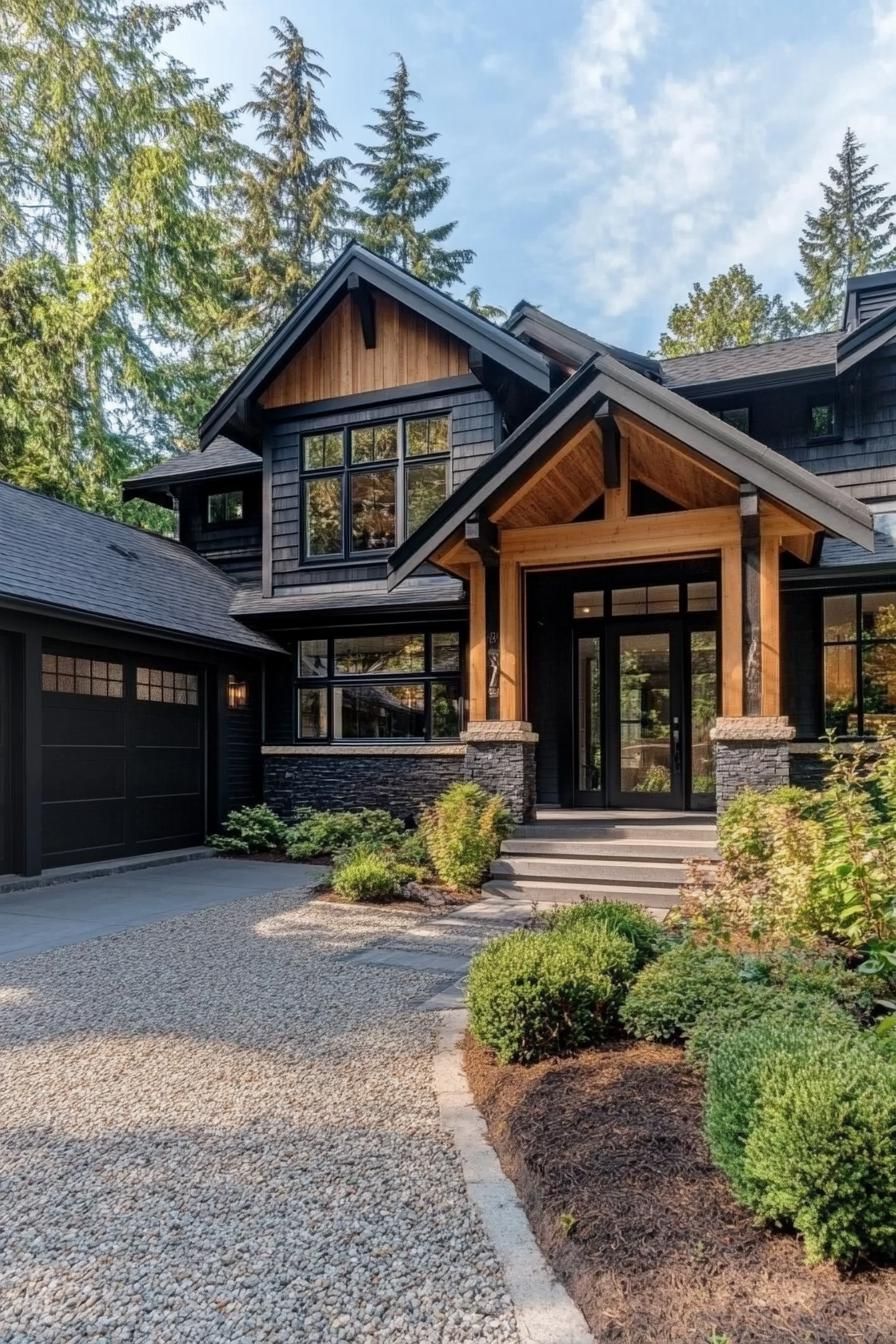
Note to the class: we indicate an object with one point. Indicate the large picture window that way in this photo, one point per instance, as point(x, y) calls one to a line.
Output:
point(366, 488)
point(860, 664)
point(379, 687)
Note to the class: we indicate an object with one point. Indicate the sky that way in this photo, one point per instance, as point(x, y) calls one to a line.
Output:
point(604, 154)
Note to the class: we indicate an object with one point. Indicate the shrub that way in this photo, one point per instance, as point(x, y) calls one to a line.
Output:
point(365, 874)
point(752, 1003)
point(317, 834)
point(821, 1154)
point(635, 924)
point(250, 830)
point(463, 830)
point(669, 994)
point(535, 995)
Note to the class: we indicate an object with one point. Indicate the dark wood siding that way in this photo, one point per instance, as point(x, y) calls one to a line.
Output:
point(549, 685)
point(6, 756)
point(240, 743)
point(233, 547)
point(472, 441)
point(871, 302)
point(801, 662)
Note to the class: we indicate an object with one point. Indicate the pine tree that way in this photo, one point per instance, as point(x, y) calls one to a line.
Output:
point(732, 310)
point(853, 233)
point(111, 154)
point(291, 197)
point(405, 183)
point(486, 310)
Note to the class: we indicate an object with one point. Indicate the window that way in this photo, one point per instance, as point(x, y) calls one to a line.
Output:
point(237, 692)
point(226, 508)
point(588, 605)
point(736, 416)
point(366, 488)
point(822, 420)
point(383, 686)
point(167, 688)
point(645, 601)
point(860, 664)
point(82, 676)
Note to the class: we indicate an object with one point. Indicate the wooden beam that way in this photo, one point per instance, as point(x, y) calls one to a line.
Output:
point(477, 661)
point(802, 546)
point(609, 433)
point(457, 557)
point(362, 299)
point(481, 536)
point(698, 532)
point(732, 631)
point(752, 613)
point(617, 501)
point(511, 645)
point(770, 624)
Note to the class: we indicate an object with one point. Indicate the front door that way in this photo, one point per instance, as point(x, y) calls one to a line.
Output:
point(646, 697)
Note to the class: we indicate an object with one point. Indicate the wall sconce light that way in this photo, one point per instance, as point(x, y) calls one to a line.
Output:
point(237, 692)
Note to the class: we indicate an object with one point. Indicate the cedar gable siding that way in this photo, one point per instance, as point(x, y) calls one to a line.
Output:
point(334, 362)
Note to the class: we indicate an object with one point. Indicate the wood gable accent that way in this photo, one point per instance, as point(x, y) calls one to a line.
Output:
point(561, 488)
point(335, 362)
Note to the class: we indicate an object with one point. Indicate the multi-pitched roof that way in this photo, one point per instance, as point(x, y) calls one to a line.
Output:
point(62, 559)
point(223, 457)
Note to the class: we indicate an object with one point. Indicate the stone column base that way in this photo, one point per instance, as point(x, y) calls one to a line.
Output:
point(500, 756)
point(750, 753)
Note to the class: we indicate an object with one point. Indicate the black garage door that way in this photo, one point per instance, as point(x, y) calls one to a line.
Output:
point(6, 775)
point(123, 755)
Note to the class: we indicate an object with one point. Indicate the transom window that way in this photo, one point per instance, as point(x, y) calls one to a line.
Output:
point(649, 600)
point(383, 686)
point(82, 676)
point(226, 507)
point(860, 664)
point(366, 488)
point(167, 688)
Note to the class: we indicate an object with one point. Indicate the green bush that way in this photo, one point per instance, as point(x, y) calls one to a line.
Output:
point(751, 1003)
point(316, 835)
point(534, 995)
point(806, 972)
point(365, 874)
point(463, 831)
point(670, 993)
point(634, 923)
point(250, 830)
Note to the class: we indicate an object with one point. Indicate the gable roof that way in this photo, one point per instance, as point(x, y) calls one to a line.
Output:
point(568, 344)
point(222, 458)
point(61, 558)
point(602, 379)
point(228, 412)
point(855, 345)
point(813, 356)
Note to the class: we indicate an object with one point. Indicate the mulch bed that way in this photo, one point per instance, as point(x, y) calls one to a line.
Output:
point(659, 1252)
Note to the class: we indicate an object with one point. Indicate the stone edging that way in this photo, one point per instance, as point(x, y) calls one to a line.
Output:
point(545, 1313)
point(370, 749)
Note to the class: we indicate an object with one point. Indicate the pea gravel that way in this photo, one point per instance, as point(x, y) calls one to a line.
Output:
point(218, 1128)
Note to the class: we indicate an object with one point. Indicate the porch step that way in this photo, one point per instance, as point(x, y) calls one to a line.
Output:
point(570, 868)
point(543, 892)
point(605, 832)
point(614, 849)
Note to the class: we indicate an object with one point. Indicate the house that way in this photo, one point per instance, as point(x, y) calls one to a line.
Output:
point(415, 547)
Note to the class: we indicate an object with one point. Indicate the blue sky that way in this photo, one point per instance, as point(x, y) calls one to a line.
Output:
point(604, 154)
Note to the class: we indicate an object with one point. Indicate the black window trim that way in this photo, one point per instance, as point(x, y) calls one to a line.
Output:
point(824, 400)
point(398, 464)
point(856, 643)
point(332, 679)
point(225, 522)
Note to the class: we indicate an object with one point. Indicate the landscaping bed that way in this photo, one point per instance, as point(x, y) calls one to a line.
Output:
point(659, 1251)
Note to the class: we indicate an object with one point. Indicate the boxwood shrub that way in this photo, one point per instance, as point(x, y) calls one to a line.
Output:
point(669, 994)
point(751, 1003)
point(634, 923)
point(324, 834)
point(250, 830)
point(533, 995)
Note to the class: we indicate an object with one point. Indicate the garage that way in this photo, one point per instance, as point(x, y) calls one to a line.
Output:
point(6, 808)
point(123, 769)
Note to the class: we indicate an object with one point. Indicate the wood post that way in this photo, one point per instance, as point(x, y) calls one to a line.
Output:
point(477, 660)
point(732, 632)
point(770, 625)
point(511, 641)
point(752, 636)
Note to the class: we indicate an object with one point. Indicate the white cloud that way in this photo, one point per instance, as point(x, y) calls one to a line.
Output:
point(671, 174)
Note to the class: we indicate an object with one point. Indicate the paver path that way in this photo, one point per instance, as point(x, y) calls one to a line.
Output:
point(222, 1127)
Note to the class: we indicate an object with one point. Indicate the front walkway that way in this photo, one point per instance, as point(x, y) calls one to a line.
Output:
point(222, 1127)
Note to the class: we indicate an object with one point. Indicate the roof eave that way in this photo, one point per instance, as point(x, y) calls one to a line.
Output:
point(140, 487)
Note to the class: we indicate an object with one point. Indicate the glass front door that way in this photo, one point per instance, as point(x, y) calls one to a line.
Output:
point(645, 726)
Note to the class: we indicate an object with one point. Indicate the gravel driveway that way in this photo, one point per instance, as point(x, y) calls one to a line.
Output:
point(216, 1128)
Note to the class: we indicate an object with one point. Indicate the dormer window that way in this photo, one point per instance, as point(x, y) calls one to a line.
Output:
point(226, 507)
point(822, 419)
point(367, 487)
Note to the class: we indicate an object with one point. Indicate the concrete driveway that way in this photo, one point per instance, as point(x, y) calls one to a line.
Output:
point(43, 918)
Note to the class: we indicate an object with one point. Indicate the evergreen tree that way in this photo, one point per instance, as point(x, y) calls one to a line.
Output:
point(732, 310)
point(487, 310)
point(404, 184)
point(853, 233)
point(111, 154)
point(291, 197)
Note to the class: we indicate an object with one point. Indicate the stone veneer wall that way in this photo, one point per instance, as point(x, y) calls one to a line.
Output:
point(501, 757)
point(401, 781)
point(750, 753)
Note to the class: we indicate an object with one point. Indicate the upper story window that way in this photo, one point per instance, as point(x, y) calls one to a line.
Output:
point(226, 507)
point(737, 416)
point(822, 419)
point(860, 663)
point(366, 488)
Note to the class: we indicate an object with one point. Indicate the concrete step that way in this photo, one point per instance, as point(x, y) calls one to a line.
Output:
point(604, 831)
point(571, 869)
point(614, 849)
point(551, 892)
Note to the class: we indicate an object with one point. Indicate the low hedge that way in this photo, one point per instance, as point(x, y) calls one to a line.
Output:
point(670, 993)
point(802, 1120)
point(634, 923)
point(534, 995)
point(752, 1003)
point(316, 835)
